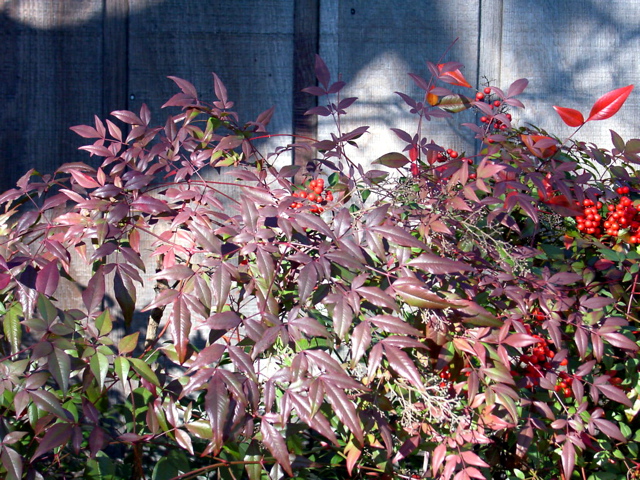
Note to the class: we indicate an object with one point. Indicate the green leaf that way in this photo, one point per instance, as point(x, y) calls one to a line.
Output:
point(60, 368)
point(104, 324)
point(12, 328)
point(99, 366)
point(142, 369)
point(171, 466)
point(128, 344)
point(392, 160)
point(122, 366)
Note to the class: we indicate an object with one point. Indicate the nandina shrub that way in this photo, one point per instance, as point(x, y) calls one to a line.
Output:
point(458, 318)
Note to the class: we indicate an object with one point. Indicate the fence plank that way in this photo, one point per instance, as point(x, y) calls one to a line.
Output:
point(374, 46)
point(51, 66)
point(306, 40)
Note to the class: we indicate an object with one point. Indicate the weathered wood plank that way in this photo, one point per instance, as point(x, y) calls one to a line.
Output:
point(51, 71)
point(373, 45)
point(306, 39)
point(573, 52)
point(115, 56)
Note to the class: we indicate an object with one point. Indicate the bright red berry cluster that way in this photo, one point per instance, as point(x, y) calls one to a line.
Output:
point(590, 220)
point(622, 217)
point(315, 193)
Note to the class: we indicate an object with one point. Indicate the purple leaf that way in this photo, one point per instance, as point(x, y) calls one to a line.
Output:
point(221, 93)
point(360, 342)
point(94, 293)
point(12, 462)
point(409, 445)
point(568, 458)
point(419, 81)
point(307, 281)
point(47, 279)
point(322, 72)
point(55, 436)
point(609, 428)
point(86, 131)
point(519, 340)
point(517, 87)
point(274, 441)
point(620, 341)
point(399, 236)
point(378, 297)
point(150, 205)
point(614, 393)
point(217, 406)
point(223, 321)
point(180, 327)
point(404, 136)
point(317, 91)
point(165, 297)
point(335, 87)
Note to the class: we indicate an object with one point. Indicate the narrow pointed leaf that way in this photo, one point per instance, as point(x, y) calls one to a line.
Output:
point(275, 443)
point(142, 369)
point(48, 278)
point(57, 435)
point(402, 364)
point(392, 160)
point(609, 104)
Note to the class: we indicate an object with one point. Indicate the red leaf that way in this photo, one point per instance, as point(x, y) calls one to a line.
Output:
point(407, 447)
point(391, 324)
point(571, 117)
point(186, 87)
point(275, 443)
point(455, 77)
point(127, 117)
point(609, 104)
point(84, 180)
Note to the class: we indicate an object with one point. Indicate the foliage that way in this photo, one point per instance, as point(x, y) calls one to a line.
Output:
point(445, 316)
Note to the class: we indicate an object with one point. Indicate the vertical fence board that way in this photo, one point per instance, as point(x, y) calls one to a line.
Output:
point(373, 47)
point(50, 71)
point(573, 52)
point(306, 39)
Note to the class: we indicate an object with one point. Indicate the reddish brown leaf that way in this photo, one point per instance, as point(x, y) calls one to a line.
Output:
point(568, 458)
point(609, 104)
point(344, 409)
point(57, 435)
point(402, 364)
point(274, 441)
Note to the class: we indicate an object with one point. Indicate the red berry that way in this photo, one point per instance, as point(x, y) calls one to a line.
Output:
point(453, 154)
point(497, 103)
point(487, 90)
point(479, 96)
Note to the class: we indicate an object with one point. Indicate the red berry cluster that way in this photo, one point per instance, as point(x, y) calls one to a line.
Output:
point(621, 217)
point(445, 375)
point(589, 221)
point(315, 193)
point(563, 384)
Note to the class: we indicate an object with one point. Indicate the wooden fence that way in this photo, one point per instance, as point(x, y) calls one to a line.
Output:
point(63, 61)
